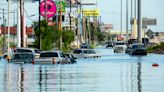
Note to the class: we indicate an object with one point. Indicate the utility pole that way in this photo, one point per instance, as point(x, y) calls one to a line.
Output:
point(60, 26)
point(4, 36)
point(3, 16)
point(135, 9)
point(21, 23)
point(46, 10)
point(39, 45)
point(127, 12)
point(14, 19)
point(70, 1)
point(131, 19)
point(8, 45)
point(121, 19)
point(139, 22)
point(18, 26)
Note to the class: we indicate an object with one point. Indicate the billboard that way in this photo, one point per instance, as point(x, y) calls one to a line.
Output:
point(90, 12)
point(149, 21)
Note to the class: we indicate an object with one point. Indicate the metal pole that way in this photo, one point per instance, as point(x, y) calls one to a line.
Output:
point(60, 26)
point(127, 19)
point(4, 33)
point(70, 13)
point(21, 23)
point(39, 45)
point(46, 10)
point(131, 16)
point(135, 9)
point(121, 19)
point(8, 45)
point(14, 18)
point(18, 27)
point(139, 22)
point(3, 16)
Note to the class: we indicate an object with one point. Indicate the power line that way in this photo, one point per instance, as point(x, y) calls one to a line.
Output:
point(28, 15)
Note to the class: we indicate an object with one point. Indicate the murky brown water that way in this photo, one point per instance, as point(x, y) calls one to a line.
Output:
point(110, 73)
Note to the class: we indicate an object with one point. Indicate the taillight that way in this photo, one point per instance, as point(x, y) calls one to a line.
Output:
point(33, 62)
point(53, 61)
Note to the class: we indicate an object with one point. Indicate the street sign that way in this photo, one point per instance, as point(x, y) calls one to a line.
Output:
point(149, 21)
point(48, 8)
point(150, 33)
point(63, 5)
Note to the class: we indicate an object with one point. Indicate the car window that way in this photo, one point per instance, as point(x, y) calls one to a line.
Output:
point(23, 56)
point(49, 54)
point(62, 55)
point(67, 55)
point(22, 50)
point(37, 51)
point(138, 46)
point(77, 51)
point(89, 51)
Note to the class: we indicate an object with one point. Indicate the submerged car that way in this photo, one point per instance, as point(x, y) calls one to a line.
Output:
point(22, 58)
point(36, 52)
point(71, 57)
point(86, 47)
point(119, 49)
point(52, 57)
point(128, 49)
point(138, 49)
point(85, 53)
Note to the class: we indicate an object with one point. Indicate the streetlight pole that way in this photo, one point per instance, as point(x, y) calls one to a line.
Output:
point(139, 22)
point(8, 45)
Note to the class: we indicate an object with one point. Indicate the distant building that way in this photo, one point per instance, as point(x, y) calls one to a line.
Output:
point(13, 35)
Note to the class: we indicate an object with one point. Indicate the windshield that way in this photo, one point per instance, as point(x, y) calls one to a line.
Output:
point(23, 56)
point(22, 50)
point(49, 54)
point(138, 46)
point(89, 51)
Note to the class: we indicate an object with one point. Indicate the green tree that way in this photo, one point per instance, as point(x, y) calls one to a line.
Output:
point(68, 37)
point(100, 36)
point(49, 35)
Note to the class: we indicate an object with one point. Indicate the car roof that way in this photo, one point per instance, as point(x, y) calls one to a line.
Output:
point(23, 53)
point(50, 51)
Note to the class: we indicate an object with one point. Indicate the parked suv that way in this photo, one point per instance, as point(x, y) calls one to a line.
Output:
point(52, 57)
point(36, 52)
point(138, 49)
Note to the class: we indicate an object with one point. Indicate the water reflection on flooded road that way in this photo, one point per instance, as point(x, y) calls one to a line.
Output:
point(113, 72)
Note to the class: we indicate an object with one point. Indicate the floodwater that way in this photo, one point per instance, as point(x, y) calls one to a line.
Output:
point(113, 72)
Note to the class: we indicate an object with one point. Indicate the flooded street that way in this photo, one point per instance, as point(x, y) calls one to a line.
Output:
point(112, 72)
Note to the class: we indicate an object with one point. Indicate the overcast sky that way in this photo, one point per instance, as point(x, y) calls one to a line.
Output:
point(110, 11)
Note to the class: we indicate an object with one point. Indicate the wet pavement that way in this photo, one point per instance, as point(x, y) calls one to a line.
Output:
point(113, 72)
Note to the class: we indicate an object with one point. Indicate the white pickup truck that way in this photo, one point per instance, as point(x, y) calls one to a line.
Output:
point(51, 57)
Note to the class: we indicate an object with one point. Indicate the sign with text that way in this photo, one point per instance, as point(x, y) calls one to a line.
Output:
point(149, 21)
point(90, 12)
